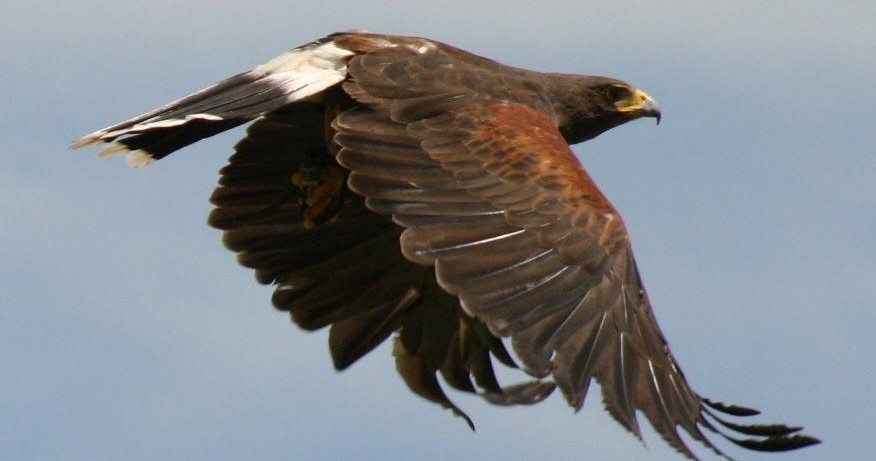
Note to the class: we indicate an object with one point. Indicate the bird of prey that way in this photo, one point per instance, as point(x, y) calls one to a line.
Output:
point(396, 184)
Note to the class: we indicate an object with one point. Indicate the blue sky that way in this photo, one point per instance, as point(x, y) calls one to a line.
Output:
point(128, 332)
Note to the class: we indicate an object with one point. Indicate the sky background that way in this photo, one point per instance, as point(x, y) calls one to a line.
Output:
point(128, 332)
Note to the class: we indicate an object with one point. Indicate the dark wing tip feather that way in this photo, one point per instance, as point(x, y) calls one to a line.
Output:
point(776, 444)
point(735, 410)
point(422, 381)
point(765, 430)
point(764, 437)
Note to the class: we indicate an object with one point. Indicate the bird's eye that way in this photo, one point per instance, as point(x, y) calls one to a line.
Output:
point(618, 92)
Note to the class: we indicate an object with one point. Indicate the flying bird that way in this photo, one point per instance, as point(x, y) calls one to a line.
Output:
point(396, 185)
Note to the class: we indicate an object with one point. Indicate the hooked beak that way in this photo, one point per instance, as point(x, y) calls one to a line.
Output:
point(639, 105)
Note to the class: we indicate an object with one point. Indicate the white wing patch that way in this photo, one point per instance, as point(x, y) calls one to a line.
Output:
point(307, 71)
point(314, 57)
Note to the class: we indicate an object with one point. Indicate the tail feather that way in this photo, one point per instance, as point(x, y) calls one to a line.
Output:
point(304, 72)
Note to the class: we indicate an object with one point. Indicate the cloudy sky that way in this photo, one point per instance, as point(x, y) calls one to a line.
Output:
point(128, 332)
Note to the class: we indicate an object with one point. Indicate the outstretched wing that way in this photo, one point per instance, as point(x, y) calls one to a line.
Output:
point(491, 196)
point(283, 206)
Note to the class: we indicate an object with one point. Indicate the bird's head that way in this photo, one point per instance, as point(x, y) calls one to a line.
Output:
point(590, 105)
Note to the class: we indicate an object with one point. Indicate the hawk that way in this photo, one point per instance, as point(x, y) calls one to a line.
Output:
point(398, 185)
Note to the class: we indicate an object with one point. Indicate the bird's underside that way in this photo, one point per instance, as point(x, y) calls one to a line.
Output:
point(398, 185)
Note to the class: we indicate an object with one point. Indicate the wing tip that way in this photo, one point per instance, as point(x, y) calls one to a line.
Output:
point(137, 158)
point(759, 437)
point(87, 140)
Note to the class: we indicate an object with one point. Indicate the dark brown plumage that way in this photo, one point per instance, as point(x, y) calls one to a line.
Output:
point(397, 184)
